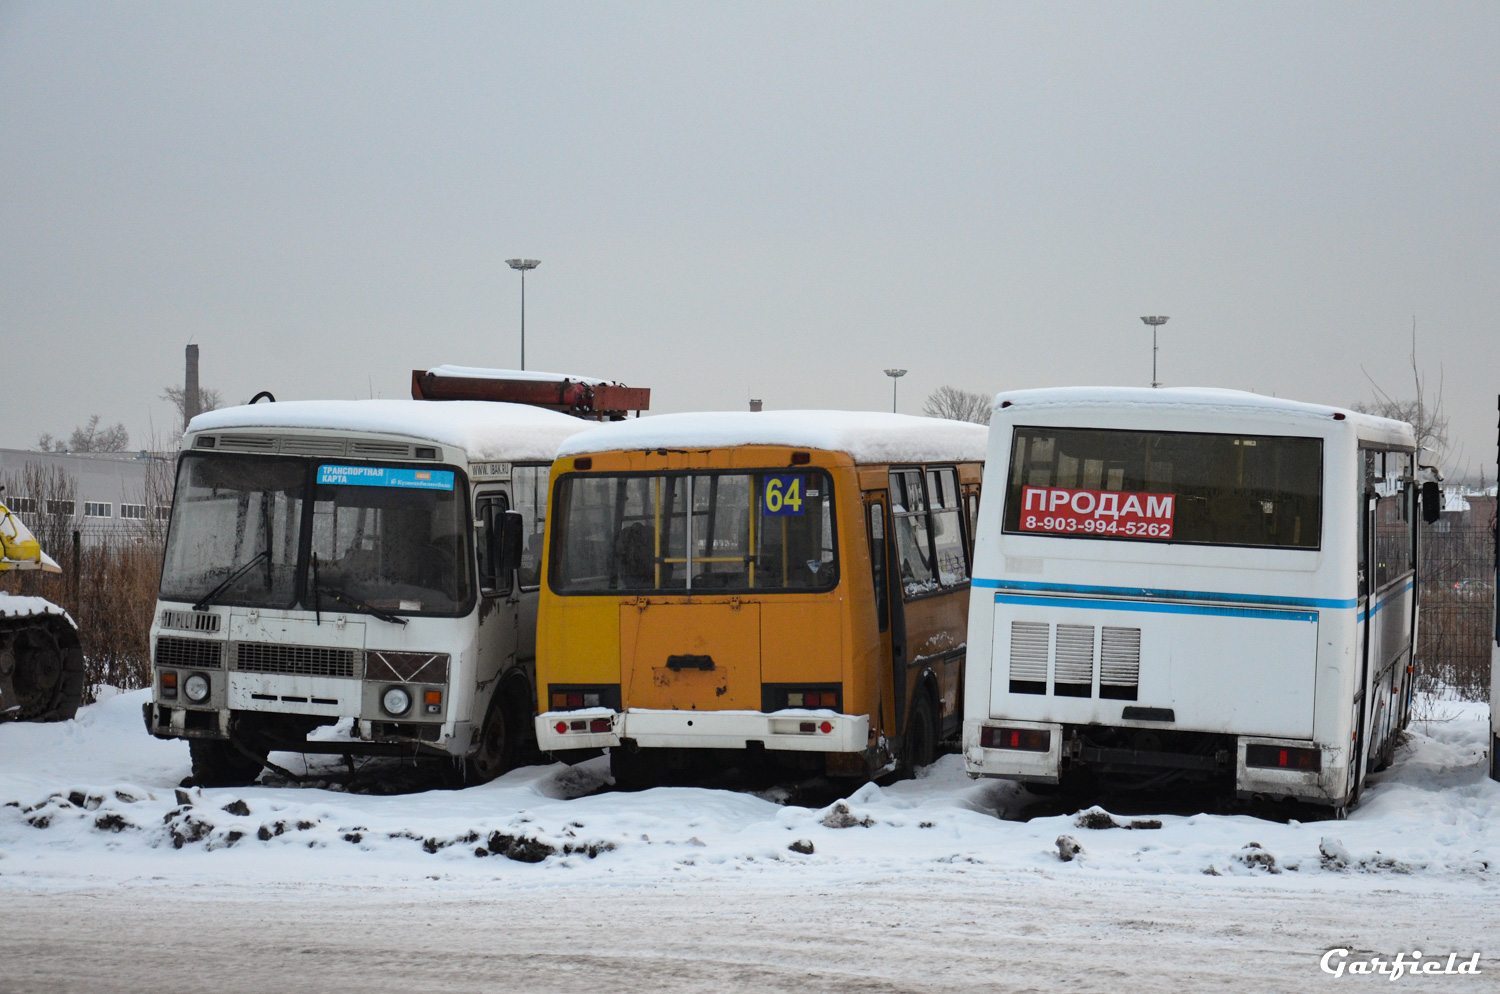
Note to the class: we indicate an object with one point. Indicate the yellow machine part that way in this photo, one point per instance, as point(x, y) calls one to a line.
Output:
point(19, 548)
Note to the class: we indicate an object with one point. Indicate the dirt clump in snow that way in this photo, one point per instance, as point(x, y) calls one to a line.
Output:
point(1068, 848)
point(840, 816)
point(237, 807)
point(803, 846)
point(1095, 817)
point(1255, 856)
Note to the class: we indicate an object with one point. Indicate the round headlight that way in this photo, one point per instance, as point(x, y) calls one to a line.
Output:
point(395, 701)
point(196, 688)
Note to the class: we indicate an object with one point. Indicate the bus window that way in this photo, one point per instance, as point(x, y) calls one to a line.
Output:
point(1389, 474)
point(913, 545)
point(947, 528)
point(528, 486)
point(972, 503)
point(877, 564)
point(1190, 487)
point(746, 531)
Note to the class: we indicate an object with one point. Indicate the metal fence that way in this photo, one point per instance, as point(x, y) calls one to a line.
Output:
point(1457, 620)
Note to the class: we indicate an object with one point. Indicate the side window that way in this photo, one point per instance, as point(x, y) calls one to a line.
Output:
point(947, 527)
point(528, 485)
point(909, 518)
point(1394, 488)
point(489, 509)
point(877, 565)
point(971, 501)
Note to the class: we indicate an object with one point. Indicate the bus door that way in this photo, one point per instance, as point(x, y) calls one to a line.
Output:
point(889, 616)
point(499, 605)
point(1363, 604)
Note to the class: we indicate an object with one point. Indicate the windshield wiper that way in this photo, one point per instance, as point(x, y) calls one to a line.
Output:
point(209, 597)
point(357, 604)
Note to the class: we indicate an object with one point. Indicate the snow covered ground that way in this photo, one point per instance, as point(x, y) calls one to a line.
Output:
point(548, 880)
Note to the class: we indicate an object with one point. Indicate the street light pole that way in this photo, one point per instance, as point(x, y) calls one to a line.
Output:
point(1155, 321)
point(521, 266)
point(894, 374)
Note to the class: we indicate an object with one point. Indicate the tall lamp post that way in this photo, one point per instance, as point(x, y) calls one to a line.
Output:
point(521, 266)
point(894, 374)
point(1155, 321)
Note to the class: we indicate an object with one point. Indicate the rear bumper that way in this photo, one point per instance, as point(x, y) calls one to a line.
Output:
point(792, 731)
point(1324, 786)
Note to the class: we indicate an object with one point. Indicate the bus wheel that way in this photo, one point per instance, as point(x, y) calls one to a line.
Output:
point(218, 763)
point(497, 744)
point(920, 745)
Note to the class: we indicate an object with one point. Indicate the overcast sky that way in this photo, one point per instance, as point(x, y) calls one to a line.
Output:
point(747, 200)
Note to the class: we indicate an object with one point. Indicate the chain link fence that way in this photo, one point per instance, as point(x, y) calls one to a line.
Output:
point(1457, 608)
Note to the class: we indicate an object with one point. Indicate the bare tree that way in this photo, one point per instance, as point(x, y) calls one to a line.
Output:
point(47, 443)
point(1424, 412)
point(93, 438)
point(958, 405)
point(209, 399)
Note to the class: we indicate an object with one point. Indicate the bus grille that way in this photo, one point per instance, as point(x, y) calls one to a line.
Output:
point(196, 654)
point(1028, 657)
point(295, 660)
point(1119, 663)
point(190, 621)
point(1073, 675)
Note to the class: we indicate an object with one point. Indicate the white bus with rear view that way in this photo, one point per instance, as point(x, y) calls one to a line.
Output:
point(1191, 585)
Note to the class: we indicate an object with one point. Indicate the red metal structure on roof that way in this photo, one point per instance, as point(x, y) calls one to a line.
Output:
point(583, 398)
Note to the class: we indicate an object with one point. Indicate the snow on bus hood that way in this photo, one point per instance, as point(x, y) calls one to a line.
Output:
point(868, 436)
point(483, 429)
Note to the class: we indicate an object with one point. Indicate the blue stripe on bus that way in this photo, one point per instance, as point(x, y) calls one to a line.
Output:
point(1189, 595)
point(1365, 615)
point(1157, 608)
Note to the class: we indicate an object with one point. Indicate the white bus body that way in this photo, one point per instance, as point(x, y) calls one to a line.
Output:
point(1179, 584)
point(384, 599)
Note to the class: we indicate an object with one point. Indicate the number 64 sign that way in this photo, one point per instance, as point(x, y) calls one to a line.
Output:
point(783, 495)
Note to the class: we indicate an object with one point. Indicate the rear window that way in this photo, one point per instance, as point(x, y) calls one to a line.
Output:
point(1260, 491)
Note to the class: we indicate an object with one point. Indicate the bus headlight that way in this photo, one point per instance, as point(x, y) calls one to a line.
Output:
point(196, 688)
point(396, 701)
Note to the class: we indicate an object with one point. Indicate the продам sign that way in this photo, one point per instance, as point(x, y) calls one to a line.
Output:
point(1096, 512)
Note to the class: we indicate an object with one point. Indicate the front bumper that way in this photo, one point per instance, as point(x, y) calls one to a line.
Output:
point(790, 730)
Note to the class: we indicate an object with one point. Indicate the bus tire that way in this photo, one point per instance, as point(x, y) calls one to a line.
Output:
point(223, 763)
point(499, 742)
point(919, 745)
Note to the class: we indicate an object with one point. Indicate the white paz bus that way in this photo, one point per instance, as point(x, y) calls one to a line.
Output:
point(365, 564)
point(1191, 585)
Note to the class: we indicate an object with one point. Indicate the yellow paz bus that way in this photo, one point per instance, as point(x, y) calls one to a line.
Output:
point(791, 583)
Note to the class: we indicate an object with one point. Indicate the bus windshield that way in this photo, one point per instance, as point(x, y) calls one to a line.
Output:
point(765, 530)
point(1181, 487)
point(235, 513)
point(386, 538)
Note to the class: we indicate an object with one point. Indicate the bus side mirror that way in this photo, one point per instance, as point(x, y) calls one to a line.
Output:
point(1432, 502)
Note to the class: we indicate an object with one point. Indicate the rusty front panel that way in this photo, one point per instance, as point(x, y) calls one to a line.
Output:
point(612, 398)
point(934, 626)
point(723, 630)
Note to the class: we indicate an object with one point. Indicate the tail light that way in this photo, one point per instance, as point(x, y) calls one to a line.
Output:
point(583, 725)
point(809, 697)
point(1025, 739)
point(1284, 758)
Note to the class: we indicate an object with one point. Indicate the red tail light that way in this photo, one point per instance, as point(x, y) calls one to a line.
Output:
point(599, 725)
point(1025, 739)
point(560, 727)
point(1284, 758)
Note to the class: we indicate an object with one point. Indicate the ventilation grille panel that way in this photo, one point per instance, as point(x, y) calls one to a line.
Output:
point(190, 621)
point(247, 443)
point(1119, 663)
point(311, 445)
point(406, 667)
point(188, 654)
point(1073, 673)
point(390, 450)
point(1028, 657)
point(295, 660)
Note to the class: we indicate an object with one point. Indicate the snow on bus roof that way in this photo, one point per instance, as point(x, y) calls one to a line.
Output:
point(867, 436)
point(484, 429)
point(480, 373)
point(1202, 398)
